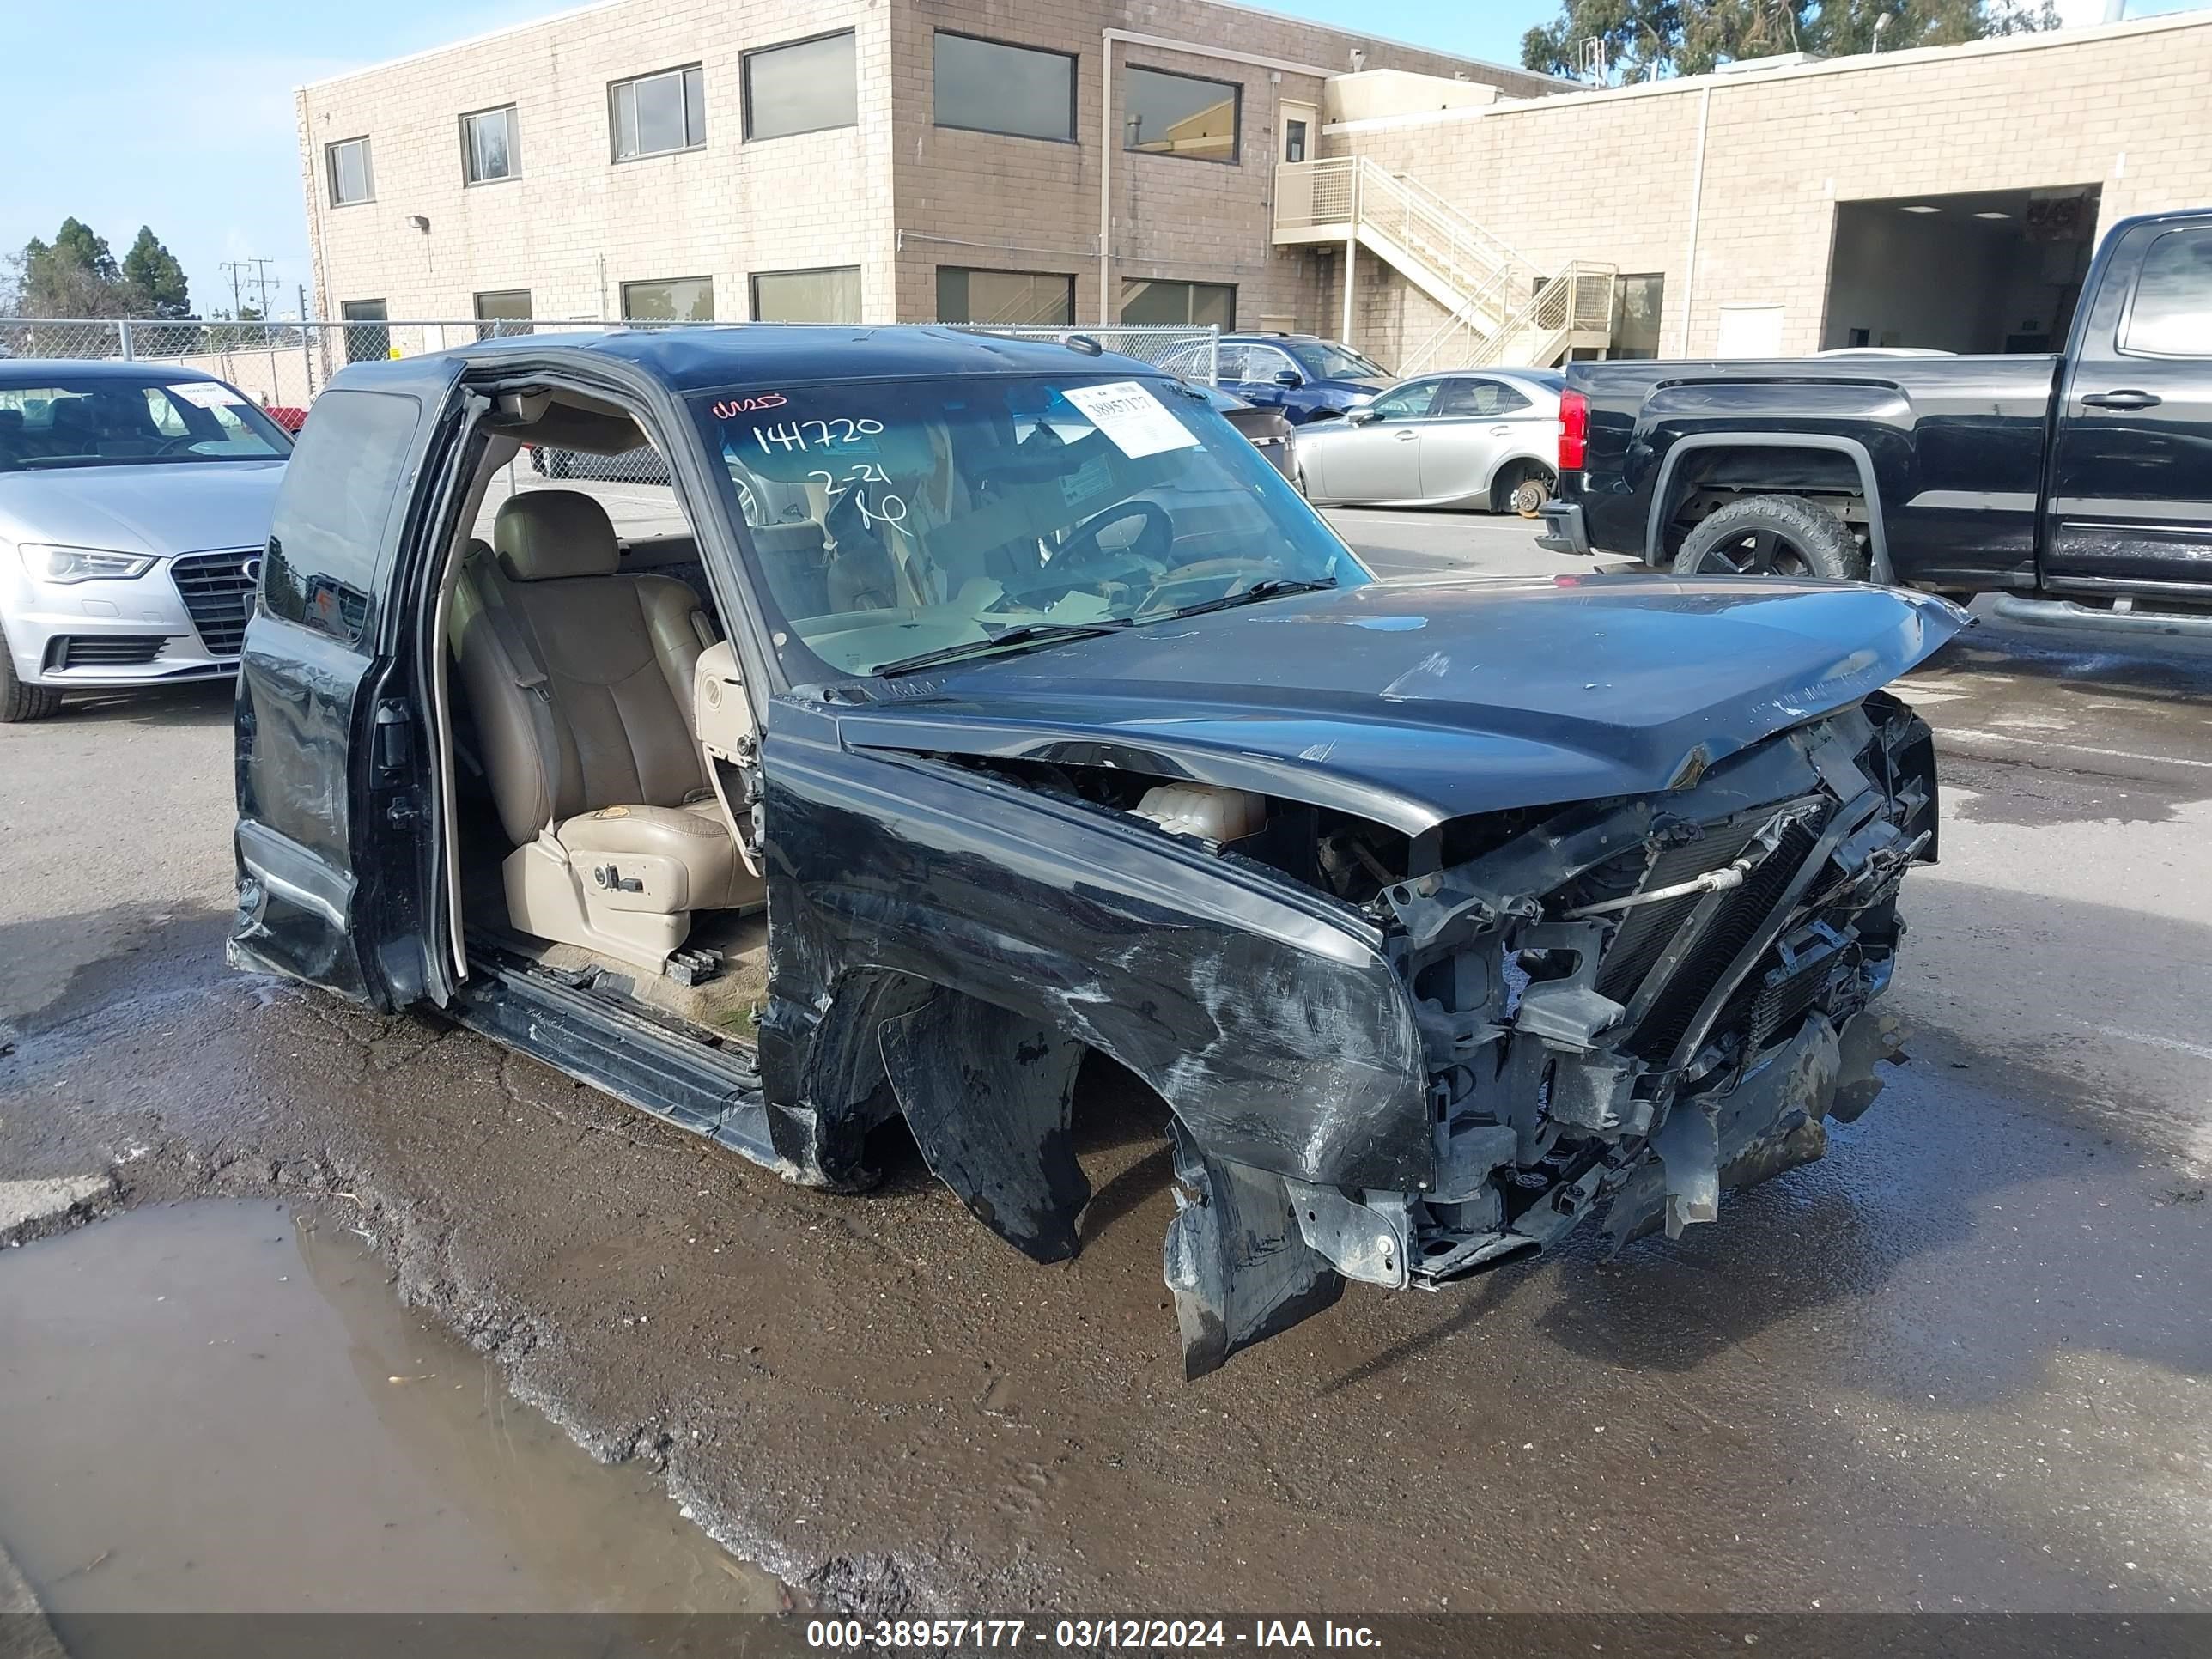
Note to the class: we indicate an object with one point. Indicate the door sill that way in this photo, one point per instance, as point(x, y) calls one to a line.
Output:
point(709, 1087)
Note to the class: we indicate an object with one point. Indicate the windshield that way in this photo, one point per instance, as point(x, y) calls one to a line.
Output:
point(1326, 361)
point(101, 421)
point(902, 519)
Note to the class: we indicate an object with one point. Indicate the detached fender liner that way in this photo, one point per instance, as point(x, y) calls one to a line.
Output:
point(1236, 1258)
point(986, 1093)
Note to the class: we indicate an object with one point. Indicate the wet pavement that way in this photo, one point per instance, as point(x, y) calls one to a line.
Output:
point(1960, 1363)
point(209, 1407)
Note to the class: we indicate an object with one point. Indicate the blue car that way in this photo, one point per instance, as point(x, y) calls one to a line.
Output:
point(1302, 374)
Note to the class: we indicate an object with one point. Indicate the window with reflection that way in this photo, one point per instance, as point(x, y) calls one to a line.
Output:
point(985, 86)
point(1165, 114)
point(806, 85)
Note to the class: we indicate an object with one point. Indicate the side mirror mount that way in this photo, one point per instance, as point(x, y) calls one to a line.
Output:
point(1363, 416)
point(1289, 377)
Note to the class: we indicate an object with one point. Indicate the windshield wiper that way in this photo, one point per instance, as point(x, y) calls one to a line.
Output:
point(1024, 634)
point(1272, 587)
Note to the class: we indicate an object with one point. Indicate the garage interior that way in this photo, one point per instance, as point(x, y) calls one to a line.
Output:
point(1991, 271)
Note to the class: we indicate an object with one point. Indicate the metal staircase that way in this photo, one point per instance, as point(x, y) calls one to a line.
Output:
point(1498, 307)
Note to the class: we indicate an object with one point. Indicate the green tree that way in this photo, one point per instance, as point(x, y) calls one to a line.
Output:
point(74, 275)
point(79, 244)
point(156, 280)
point(1647, 38)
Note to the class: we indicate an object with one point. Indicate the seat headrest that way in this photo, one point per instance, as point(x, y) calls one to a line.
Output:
point(546, 535)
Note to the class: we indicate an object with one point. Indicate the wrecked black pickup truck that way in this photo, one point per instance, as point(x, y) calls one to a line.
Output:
point(1004, 709)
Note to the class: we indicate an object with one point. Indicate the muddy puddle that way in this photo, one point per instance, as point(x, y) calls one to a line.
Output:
point(210, 1407)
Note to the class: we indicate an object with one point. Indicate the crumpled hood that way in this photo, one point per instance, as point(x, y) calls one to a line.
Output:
point(181, 507)
point(1410, 704)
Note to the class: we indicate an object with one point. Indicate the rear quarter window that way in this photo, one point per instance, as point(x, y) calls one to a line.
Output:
point(340, 489)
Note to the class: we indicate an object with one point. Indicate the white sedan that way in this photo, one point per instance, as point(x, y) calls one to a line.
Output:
point(1470, 438)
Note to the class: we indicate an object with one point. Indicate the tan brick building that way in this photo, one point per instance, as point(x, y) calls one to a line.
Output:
point(1167, 161)
point(841, 158)
point(1946, 198)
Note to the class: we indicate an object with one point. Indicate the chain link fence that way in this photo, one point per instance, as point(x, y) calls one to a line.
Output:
point(283, 366)
point(1194, 353)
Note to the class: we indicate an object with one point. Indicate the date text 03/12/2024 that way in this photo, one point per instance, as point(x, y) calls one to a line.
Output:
point(1086, 1634)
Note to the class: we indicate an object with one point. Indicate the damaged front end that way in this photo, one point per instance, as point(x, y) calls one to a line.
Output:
point(1625, 1007)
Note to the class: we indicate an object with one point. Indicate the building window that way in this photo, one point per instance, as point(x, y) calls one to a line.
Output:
point(1294, 141)
point(656, 113)
point(506, 311)
point(673, 300)
point(367, 332)
point(830, 295)
point(488, 150)
point(804, 87)
point(1168, 114)
point(1637, 303)
point(1007, 299)
point(1144, 301)
point(2172, 316)
point(985, 87)
point(351, 180)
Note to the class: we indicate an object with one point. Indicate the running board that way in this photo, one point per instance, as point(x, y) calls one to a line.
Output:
point(2109, 619)
point(711, 1091)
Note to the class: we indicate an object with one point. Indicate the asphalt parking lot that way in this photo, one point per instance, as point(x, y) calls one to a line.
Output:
point(1961, 1364)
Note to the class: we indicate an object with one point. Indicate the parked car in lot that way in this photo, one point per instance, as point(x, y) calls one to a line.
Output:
point(1266, 429)
point(2077, 487)
point(134, 503)
point(1038, 722)
point(1306, 377)
point(1482, 438)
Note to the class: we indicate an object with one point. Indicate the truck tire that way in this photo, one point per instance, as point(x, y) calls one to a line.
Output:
point(1772, 536)
point(18, 702)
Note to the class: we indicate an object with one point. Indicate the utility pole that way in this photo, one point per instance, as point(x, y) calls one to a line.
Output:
point(261, 280)
point(241, 280)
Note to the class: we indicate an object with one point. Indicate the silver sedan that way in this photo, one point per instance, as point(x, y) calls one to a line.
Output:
point(135, 502)
point(1485, 438)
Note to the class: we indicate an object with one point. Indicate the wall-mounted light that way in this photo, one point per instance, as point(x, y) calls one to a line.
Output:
point(418, 222)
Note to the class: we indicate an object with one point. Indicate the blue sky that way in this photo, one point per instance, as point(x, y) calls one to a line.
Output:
point(180, 116)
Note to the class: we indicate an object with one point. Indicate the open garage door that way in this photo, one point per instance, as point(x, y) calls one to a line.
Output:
point(1994, 271)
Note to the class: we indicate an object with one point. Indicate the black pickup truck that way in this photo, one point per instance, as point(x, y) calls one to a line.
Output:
point(2079, 487)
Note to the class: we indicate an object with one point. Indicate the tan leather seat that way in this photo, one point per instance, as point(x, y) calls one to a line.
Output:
point(580, 681)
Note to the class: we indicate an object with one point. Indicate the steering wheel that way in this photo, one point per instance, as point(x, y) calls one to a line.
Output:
point(173, 445)
point(1150, 545)
point(1082, 560)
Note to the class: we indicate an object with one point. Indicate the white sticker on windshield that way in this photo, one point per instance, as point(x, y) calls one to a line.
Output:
point(1137, 424)
point(1091, 479)
point(208, 394)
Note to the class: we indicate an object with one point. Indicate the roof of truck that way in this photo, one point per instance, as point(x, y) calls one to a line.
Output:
point(761, 354)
